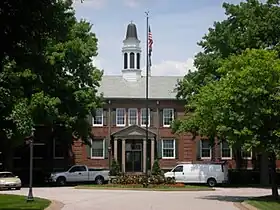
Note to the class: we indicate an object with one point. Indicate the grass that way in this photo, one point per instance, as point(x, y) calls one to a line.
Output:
point(264, 203)
point(17, 202)
point(149, 188)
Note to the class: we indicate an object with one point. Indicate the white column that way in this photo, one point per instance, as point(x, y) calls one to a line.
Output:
point(144, 155)
point(123, 155)
point(152, 151)
point(116, 149)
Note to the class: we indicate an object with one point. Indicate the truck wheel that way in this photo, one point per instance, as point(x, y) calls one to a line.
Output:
point(99, 180)
point(211, 182)
point(61, 181)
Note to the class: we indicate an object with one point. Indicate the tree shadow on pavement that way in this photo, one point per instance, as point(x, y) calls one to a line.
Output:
point(226, 198)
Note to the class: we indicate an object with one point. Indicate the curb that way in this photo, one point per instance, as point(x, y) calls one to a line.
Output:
point(245, 206)
point(55, 205)
point(145, 189)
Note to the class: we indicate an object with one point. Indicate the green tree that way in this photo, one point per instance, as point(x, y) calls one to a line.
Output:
point(250, 24)
point(50, 80)
point(115, 168)
point(156, 170)
point(244, 105)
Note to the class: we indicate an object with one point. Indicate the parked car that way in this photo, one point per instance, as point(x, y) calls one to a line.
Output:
point(209, 173)
point(8, 181)
point(79, 173)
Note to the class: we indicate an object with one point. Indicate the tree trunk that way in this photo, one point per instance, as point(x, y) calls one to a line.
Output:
point(264, 169)
point(273, 176)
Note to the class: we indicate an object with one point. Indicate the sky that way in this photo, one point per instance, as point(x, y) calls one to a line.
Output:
point(176, 25)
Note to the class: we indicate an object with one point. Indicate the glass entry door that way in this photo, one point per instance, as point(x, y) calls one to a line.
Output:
point(133, 157)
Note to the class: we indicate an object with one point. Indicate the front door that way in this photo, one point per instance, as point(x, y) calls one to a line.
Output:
point(133, 160)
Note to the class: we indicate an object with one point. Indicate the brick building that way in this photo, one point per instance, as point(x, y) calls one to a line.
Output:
point(119, 127)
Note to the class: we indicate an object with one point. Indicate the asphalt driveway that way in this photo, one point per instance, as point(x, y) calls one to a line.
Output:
point(80, 199)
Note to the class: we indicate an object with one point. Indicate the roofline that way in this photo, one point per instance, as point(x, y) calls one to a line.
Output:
point(152, 99)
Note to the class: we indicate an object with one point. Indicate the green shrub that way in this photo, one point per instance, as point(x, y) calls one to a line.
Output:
point(156, 170)
point(142, 180)
point(115, 168)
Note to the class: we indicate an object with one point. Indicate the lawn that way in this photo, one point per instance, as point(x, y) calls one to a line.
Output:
point(265, 203)
point(175, 187)
point(16, 202)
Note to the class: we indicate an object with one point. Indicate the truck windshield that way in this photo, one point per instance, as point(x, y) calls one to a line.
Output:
point(77, 168)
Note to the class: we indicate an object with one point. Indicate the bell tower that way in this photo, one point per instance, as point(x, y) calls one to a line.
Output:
point(131, 52)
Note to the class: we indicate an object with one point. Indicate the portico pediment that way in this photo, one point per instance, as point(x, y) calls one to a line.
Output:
point(133, 131)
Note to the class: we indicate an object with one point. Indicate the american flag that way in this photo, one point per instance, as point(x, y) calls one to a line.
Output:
point(150, 44)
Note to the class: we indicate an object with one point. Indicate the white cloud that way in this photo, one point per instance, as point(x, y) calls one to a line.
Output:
point(173, 68)
point(131, 3)
point(95, 4)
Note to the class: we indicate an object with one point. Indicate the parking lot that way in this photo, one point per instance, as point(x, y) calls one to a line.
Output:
point(76, 199)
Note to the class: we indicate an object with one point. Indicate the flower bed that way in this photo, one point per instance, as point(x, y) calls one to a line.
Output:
point(153, 187)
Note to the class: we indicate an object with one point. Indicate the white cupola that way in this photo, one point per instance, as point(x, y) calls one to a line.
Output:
point(131, 52)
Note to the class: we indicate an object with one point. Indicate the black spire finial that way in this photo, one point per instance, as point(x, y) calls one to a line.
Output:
point(131, 32)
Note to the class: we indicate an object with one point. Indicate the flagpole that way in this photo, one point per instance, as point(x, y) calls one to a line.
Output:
point(147, 86)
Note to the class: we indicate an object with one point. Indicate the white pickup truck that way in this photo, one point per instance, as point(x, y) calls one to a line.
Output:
point(79, 173)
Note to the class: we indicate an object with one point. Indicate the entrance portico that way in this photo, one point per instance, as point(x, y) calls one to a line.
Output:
point(135, 149)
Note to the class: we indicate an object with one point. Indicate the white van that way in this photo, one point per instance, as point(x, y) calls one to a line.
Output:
point(209, 173)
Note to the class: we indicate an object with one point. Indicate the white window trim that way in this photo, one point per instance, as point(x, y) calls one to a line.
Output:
point(247, 158)
point(98, 125)
point(149, 117)
point(205, 158)
point(129, 115)
point(163, 116)
point(225, 158)
point(55, 157)
point(120, 125)
point(99, 158)
point(174, 149)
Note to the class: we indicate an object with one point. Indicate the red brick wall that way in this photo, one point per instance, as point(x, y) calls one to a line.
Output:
point(187, 146)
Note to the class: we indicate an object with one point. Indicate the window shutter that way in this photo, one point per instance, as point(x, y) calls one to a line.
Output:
point(88, 149)
point(153, 118)
point(89, 119)
point(175, 114)
point(159, 148)
point(160, 117)
point(105, 117)
point(106, 148)
point(198, 146)
point(113, 117)
point(177, 148)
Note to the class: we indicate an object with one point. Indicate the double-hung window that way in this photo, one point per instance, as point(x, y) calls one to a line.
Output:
point(120, 117)
point(226, 151)
point(168, 148)
point(144, 117)
point(58, 150)
point(98, 149)
point(132, 116)
point(246, 154)
point(205, 149)
point(97, 119)
point(168, 117)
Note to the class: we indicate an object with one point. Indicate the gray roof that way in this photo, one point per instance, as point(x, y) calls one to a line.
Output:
point(160, 87)
point(131, 32)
